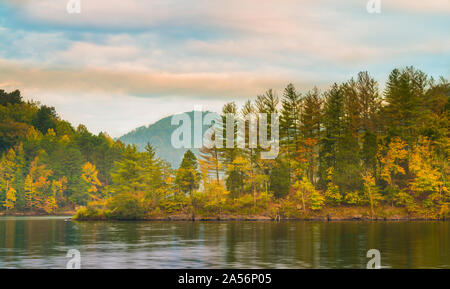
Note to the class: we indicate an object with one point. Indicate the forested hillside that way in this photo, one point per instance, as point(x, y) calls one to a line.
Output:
point(47, 164)
point(349, 149)
point(158, 135)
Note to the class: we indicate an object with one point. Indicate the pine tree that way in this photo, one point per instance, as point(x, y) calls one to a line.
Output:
point(267, 104)
point(153, 174)
point(210, 160)
point(45, 119)
point(347, 171)
point(370, 107)
point(333, 125)
point(279, 178)
point(290, 123)
point(228, 155)
point(369, 101)
point(311, 121)
point(128, 173)
point(405, 110)
point(187, 176)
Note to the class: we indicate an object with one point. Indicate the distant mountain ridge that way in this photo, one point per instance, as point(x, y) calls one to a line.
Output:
point(159, 135)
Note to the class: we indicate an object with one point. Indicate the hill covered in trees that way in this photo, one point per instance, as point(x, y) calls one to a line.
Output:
point(158, 135)
point(46, 164)
point(349, 151)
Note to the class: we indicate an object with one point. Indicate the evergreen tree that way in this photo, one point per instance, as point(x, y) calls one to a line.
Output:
point(45, 119)
point(311, 121)
point(187, 176)
point(290, 123)
point(333, 126)
point(13, 97)
point(405, 111)
point(347, 170)
point(279, 179)
point(153, 173)
point(128, 173)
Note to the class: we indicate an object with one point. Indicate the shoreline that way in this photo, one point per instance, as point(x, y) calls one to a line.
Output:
point(327, 214)
point(358, 214)
point(232, 219)
point(34, 214)
point(178, 218)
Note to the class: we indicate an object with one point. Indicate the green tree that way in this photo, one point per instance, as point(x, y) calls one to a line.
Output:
point(128, 173)
point(290, 123)
point(45, 119)
point(333, 126)
point(279, 179)
point(187, 176)
point(311, 120)
point(405, 110)
point(13, 97)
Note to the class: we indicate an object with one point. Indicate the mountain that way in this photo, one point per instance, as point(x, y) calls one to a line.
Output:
point(159, 136)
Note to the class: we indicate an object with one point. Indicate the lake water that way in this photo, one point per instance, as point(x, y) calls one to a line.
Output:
point(43, 242)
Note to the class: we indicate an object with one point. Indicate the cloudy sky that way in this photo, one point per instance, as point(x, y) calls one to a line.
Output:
point(121, 64)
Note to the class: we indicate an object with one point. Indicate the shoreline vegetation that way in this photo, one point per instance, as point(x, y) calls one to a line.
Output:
point(38, 214)
point(356, 214)
point(383, 213)
point(349, 152)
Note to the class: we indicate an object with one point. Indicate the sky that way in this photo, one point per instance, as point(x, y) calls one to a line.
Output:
point(119, 65)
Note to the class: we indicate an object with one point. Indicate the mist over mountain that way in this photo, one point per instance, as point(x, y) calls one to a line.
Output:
point(159, 135)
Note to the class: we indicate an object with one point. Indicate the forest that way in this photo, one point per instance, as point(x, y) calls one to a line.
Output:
point(351, 151)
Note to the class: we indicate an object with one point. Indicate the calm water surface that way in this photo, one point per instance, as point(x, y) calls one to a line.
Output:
point(42, 242)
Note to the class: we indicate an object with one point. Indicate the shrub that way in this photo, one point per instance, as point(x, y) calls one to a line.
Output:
point(403, 199)
point(352, 198)
point(174, 203)
point(316, 201)
point(288, 208)
point(332, 195)
point(126, 206)
point(90, 213)
point(244, 204)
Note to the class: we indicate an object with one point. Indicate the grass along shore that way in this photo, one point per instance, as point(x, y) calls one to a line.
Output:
point(385, 213)
point(33, 213)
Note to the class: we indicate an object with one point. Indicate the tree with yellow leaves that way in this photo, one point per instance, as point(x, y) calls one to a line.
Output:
point(10, 198)
point(58, 188)
point(38, 186)
point(428, 182)
point(391, 162)
point(371, 192)
point(89, 175)
point(7, 175)
point(237, 172)
point(332, 194)
point(393, 165)
point(50, 205)
point(209, 161)
point(29, 192)
point(306, 191)
point(214, 197)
